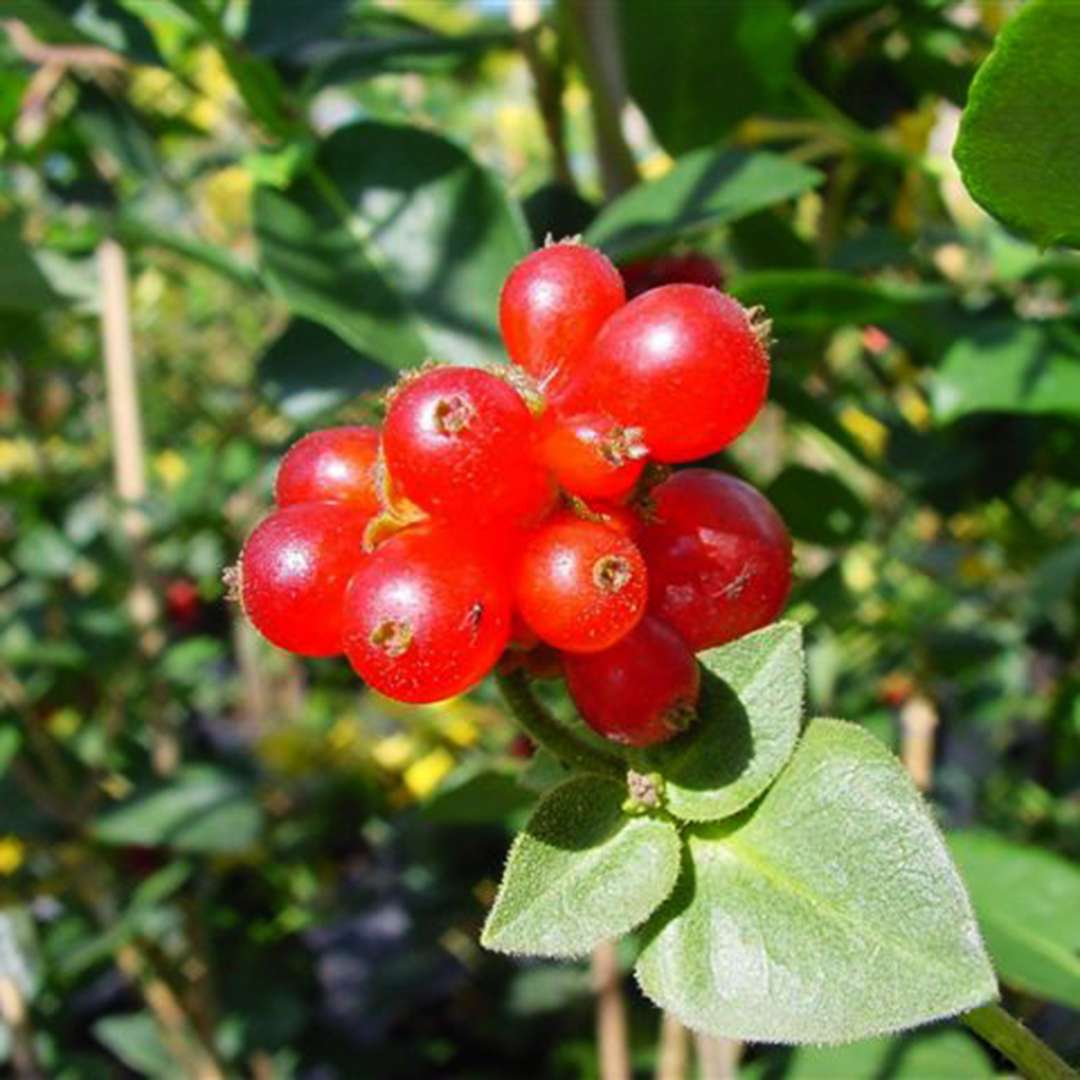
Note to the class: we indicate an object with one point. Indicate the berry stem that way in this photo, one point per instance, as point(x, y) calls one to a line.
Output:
point(548, 733)
point(1026, 1051)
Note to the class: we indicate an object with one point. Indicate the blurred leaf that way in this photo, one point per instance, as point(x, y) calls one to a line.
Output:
point(835, 889)
point(397, 241)
point(548, 988)
point(814, 301)
point(23, 287)
point(721, 62)
point(202, 808)
point(1017, 147)
point(98, 22)
point(19, 954)
point(817, 507)
point(917, 1055)
point(749, 717)
point(705, 188)
point(1009, 367)
point(281, 27)
point(478, 796)
point(308, 370)
point(582, 872)
point(788, 392)
point(1026, 900)
point(136, 1040)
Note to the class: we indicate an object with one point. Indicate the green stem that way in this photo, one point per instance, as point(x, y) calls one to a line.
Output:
point(548, 733)
point(1029, 1054)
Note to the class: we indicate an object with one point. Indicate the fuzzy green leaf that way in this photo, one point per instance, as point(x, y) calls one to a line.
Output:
point(828, 912)
point(582, 872)
point(1026, 900)
point(1017, 147)
point(750, 710)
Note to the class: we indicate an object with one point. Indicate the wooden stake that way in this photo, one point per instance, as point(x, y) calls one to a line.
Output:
point(673, 1049)
point(611, 1035)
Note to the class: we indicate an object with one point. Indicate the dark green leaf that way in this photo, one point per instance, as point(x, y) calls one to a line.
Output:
point(705, 188)
point(816, 506)
point(828, 912)
point(281, 27)
point(478, 796)
point(1017, 148)
point(751, 708)
point(582, 872)
point(721, 62)
point(200, 809)
point(396, 241)
point(1009, 367)
point(23, 287)
point(136, 1040)
point(309, 370)
point(1026, 900)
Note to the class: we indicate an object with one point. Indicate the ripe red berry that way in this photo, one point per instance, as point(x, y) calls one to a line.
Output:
point(580, 585)
point(460, 443)
point(692, 268)
point(719, 557)
point(682, 362)
point(336, 465)
point(552, 305)
point(293, 572)
point(182, 603)
point(642, 690)
point(591, 455)
point(426, 617)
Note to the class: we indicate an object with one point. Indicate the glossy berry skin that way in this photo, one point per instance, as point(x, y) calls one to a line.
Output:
point(460, 443)
point(425, 617)
point(336, 465)
point(294, 570)
point(552, 306)
point(681, 362)
point(691, 268)
point(641, 691)
point(591, 455)
point(719, 557)
point(580, 585)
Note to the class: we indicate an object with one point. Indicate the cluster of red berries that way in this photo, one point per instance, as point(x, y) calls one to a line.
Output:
point(510, 513)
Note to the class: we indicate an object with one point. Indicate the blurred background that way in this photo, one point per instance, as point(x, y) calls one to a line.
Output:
point(225, 223)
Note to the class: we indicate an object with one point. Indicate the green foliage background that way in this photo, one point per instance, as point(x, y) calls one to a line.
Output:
point(313, 196)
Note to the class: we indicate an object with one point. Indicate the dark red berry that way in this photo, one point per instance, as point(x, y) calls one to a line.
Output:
point(336, 465)
point(293, 572)
point(426, 617)
point(591, 455)
point(719, 557)
point(684, 363)
point(552, 306)
point(460, 443)
point(580, 585)
point(641, 691)
point(182, 603)
point(692, 268)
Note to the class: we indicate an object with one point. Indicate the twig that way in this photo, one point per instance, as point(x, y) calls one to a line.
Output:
point(1034, 1059)
point(611, 1036)
point(718, 1059)
point(24, 1063)
point(41, 52)
point(918, 725)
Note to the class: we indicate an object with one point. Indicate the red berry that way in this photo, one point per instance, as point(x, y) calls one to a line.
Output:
point(460, 443)
point(552, 305)
point(336, 465)
point(426, 617)
point(591, 455)
point(182, 603)
point(293, 572)
point(683, 363)
point(719, 557)
point(692, 268)
point(580, 585)
point(642, 690)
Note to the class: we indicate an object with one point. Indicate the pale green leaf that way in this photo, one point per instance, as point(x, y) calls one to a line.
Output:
point(582, 872)
point(1027, 902)
point(828, 912)
point(749, 716)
